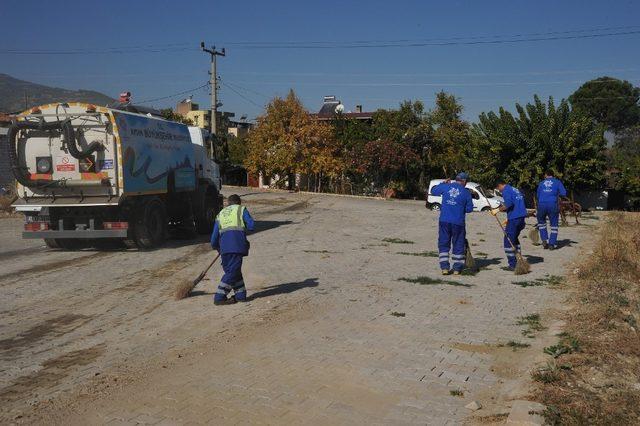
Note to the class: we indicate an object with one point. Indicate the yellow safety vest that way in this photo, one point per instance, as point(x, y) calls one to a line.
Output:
point(230, 218)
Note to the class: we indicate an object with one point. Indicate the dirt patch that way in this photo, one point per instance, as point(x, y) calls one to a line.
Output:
point(591, 374)
point(52, 372)
point(57, 265)
point(54, 327)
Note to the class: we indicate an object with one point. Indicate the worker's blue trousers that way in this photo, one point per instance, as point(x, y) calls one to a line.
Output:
point(450, 235)
point(232, 278)
point(552, 212)
point(513, 229)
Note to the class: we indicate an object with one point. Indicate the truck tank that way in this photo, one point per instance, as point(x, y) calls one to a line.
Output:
point(87, 173)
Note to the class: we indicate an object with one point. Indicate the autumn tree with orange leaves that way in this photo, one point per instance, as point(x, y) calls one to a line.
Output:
point(287, 140)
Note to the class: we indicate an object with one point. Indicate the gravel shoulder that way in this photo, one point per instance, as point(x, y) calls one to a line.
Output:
point(331, 334)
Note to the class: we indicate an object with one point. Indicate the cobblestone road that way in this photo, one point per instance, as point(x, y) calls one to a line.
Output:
point(331, 336)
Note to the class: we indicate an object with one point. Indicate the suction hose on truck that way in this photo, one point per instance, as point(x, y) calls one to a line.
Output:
point(19, 168)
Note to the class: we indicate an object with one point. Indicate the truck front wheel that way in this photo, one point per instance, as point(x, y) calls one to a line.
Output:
point(151, 225)
point(207, 215)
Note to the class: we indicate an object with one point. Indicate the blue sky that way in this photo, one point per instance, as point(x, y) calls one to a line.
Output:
point(483, 76)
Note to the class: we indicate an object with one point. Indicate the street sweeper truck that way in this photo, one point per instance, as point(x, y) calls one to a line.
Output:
point(89, 174)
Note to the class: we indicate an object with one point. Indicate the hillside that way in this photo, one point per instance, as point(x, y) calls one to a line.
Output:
point(12, 94)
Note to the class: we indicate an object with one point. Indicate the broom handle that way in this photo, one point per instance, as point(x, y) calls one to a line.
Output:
point(201, 276)
point(500, 225)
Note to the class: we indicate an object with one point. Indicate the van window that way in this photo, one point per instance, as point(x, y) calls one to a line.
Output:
point(474, 194)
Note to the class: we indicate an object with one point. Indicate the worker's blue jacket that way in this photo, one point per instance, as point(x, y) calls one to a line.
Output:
point(456, 202)
point(229, 231)
point(514, 202)
point(549, 190)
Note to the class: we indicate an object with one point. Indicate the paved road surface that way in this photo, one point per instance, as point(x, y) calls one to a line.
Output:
point(96, 337)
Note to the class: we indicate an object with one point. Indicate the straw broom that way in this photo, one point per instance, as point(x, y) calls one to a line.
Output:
point(534, 233)
point(184, 289)
point(522, 266)
point(469, 261)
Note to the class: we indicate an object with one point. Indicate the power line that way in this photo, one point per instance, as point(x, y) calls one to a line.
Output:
point(251, 101)
point(146, 101)
point(334, 45)
point(246, 89)
point(358, 44)
point(455, 38)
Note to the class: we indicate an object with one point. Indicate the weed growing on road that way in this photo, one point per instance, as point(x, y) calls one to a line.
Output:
point(514, 345)
point(532, 322)
point(549, 373)
point(482, 240)
point(566, 345)
point(456, 392)
point(398, 314)
point(397, 241)
point(482, 254)
point(422, 280)
point(551, 280)
point(320, 251)
point(421, 253)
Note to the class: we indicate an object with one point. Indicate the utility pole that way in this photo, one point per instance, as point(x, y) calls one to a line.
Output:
point(214, 86)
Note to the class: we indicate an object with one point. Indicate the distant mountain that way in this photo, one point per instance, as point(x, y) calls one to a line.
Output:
point(12, 95)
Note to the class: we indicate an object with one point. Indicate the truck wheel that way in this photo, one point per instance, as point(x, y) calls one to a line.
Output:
point(435, 207)
point(486, 208)
point(206, 216)
point(51, 243)
point(151, 225)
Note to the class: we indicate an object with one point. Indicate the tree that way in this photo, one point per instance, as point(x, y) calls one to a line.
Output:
point(237, 149)
point(287, 140)
point(625, 161)
point(519, 148)
point(446, 150)
point(608, 101)
point(168, 114)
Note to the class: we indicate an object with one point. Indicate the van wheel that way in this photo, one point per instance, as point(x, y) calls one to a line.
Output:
point(435, 207)
point(486, 208)
point(151, 225)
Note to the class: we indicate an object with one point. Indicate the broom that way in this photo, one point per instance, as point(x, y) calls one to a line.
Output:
point(469, 261)
point(522, 266)
point(184, 289)
point(534, 233)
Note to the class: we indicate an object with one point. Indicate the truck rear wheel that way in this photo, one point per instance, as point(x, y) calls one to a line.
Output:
point(151, 225)
point(51, 243)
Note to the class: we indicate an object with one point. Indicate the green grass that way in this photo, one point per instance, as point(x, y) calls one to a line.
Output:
point(398, 314)
point(421, 253)
point(423, 280)
point(566, 345)
point(515, 345)
point(397, 241)
point(551, 280)
point(456, 392)
point(532, 322)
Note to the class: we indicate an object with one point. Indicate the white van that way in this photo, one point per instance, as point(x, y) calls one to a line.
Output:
point(478, 193)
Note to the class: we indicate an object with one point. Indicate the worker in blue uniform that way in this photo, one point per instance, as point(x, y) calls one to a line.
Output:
point(456, 203)
point(549, 191)
point(516, 213)
point(229, 238)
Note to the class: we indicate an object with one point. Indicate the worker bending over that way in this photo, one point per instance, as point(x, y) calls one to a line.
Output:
point(516, 214)
point(549, 191)
point(456, 203)
point(230, 239)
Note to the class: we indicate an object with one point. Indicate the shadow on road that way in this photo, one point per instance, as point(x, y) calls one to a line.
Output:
point(534, 259)
point(284, 288)
point(482, 263)
point(265, 225)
